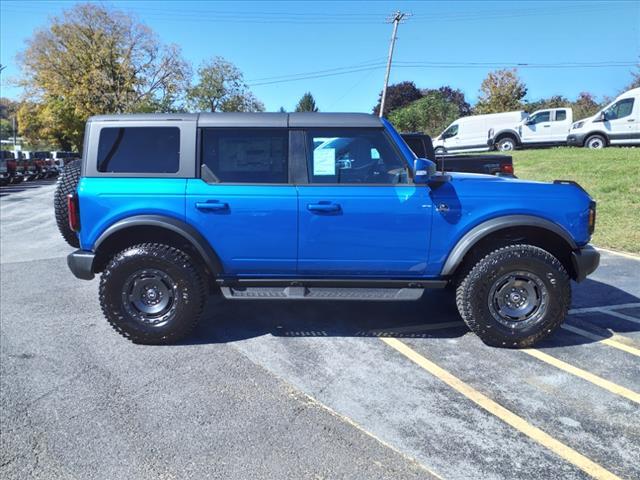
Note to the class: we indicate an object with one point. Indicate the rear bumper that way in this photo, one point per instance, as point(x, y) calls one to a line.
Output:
point(585, 260)
point(80, 263)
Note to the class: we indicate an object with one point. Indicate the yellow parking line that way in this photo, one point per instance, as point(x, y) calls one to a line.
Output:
point(613, 341)
point(544, 439)
point(589, 377)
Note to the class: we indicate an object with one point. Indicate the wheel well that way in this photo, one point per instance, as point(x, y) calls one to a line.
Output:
point(511, 135)
point(536, 236)
point(134, 235)
point(591, 134)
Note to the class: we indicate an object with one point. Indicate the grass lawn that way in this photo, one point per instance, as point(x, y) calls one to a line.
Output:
point(612, 178)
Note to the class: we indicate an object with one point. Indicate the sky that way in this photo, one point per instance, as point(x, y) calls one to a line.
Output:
point(338, 50)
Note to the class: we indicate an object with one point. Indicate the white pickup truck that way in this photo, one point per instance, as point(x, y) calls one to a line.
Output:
point(542, 128)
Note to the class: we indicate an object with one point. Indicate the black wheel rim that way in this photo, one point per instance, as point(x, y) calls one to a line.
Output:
point(518, 299)
point(149, 296)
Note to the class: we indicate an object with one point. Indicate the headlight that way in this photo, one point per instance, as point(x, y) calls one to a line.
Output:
point(577, 125)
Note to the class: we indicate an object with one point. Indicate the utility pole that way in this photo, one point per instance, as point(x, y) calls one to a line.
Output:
point(396, 18)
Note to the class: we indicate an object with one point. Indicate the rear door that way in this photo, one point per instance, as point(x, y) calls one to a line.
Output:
point(560, 123)
point(243, 203)
point(360, 215)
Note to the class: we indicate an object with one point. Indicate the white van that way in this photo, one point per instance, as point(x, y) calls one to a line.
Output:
point(546, 127)
point(616, 124)
point(469, 134)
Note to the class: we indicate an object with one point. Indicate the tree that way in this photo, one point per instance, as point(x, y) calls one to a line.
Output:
point(584, 106)
point(306, 104)
point(431, 114)
point(8, 108)
point(635, 82)
point(221, 88)
point(398, 96)
point(455, 96)
point(282, 110)
point(95, 60)
point(556, 101)
point(501, 91)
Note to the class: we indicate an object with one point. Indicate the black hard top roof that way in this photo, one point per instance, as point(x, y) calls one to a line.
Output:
point(262, 119)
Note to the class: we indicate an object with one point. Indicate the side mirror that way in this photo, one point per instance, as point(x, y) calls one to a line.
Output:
point(602, 117)
point(423, 170)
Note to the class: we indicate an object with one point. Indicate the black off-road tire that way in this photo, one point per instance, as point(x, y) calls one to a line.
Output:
point(186, 283)
point(67, 183)
point(474, 291)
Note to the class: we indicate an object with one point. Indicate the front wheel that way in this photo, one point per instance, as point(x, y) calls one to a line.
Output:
point(595, 142)
point(506, 144)
point(515, 296)
point(152, 293)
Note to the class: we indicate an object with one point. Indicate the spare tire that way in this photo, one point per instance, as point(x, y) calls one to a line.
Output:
point(67, 183)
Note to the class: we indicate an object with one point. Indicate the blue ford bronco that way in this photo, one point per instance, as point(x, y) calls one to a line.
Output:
point(172, 209)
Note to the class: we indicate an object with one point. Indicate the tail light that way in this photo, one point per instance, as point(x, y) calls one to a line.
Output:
point(74, 212)
point(506, 168)
point(592, 217)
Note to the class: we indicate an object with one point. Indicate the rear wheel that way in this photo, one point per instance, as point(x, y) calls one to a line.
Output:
point(152, 293)
point(506, 144)
point(515, 296)
point(595, 142)
point(67, 184)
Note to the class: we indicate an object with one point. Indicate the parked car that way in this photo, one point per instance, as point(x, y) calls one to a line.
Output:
point(422, 146)
point(548, 127)
point(470, 134)
point(60, 159)
point(32, 166)
point(45, 163)
point(21, 172)
point(170, 207)
point(7, 167)
point(616, 124)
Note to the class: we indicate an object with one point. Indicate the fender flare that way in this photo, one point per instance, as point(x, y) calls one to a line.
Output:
point(190, 234)
point(508, 131)
point(477, 233)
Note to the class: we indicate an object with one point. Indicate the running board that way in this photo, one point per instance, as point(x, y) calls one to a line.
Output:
point(377, 283)
point(321, 293)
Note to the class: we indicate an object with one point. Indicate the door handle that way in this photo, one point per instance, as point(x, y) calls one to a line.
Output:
point(631, 120)
point(212, 206)
point(546, 126)
point(323, 207)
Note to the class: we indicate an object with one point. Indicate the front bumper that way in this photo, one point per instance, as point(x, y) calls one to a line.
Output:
point(575, 139)
point(585, 260)
point(80, 263)
point(491, 142)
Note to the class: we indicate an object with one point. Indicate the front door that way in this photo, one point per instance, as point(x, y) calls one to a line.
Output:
point(360, 214)
point(537, 128)
point(620, 121)
point(243, 203)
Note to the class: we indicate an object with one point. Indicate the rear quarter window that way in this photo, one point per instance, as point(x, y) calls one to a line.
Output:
point(139, 150)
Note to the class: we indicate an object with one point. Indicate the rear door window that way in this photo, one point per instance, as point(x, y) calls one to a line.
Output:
point(561, 115)
point(246, 155)
point(139, 150)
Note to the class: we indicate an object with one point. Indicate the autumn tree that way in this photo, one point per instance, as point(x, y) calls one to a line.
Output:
point(555, 101)
point(584, 106)
point(431, 114)
point(221, 88)
point(306, 103)
point(95, 60)
point(501, 91)
point(398, 96)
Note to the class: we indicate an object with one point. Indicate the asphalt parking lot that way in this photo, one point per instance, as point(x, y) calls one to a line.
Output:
point(305, 389)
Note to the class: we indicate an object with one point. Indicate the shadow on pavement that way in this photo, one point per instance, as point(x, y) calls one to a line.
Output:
point(23, 186)
point(232, 320)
